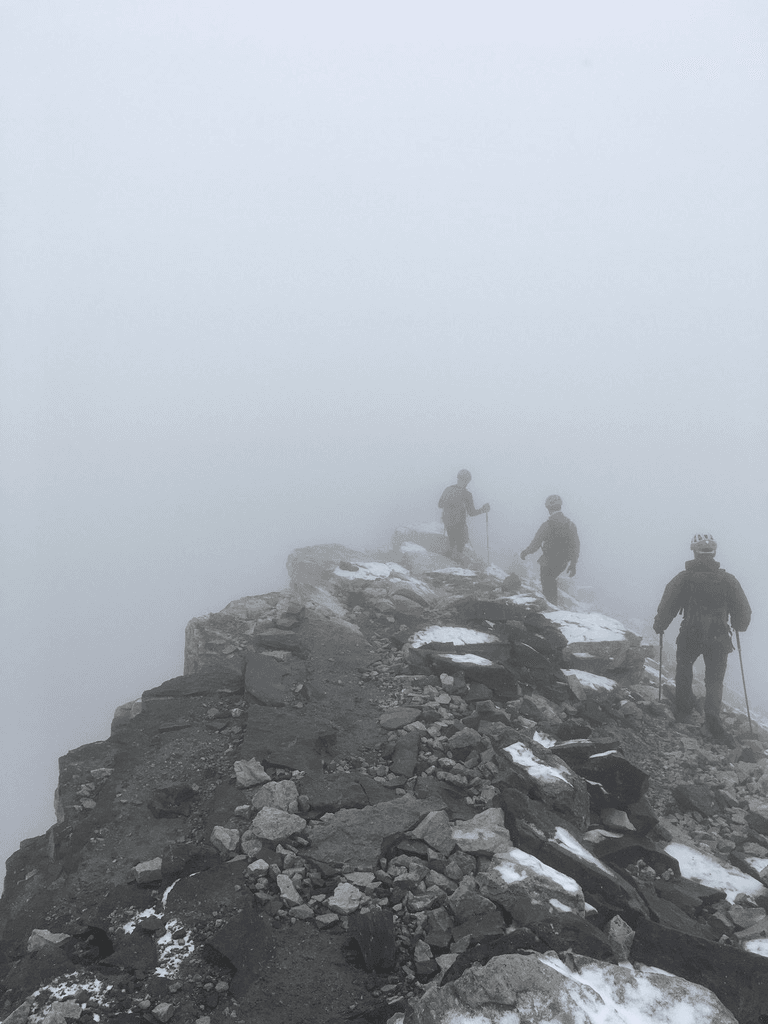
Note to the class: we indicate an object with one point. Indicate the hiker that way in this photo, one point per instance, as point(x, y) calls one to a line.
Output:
point(559, 541)
point(457, 504)
point(708, 596)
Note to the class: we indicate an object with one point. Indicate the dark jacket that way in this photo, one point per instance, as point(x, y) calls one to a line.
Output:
point(559, 540)
point(708, 596)
point(457, 503)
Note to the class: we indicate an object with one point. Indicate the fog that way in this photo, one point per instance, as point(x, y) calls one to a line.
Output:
point(271, 274)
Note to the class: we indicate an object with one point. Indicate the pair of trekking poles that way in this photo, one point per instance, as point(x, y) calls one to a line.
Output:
point(742, 670)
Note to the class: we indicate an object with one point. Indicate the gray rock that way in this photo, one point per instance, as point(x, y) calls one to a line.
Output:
point(149, 871)
point(516, 875)
point(281, 794)
point(396, 718)
point(345, 899)
point(485, 833)
point(355, 838)
point(250, 773)
point(621, 937)
point(276, 826)
point(225, 840)
point(39, 939)
point(541, 987)
point(435, 830)
point(250, 844)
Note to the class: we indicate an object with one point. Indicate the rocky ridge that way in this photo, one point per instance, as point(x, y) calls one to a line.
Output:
point(399, 790)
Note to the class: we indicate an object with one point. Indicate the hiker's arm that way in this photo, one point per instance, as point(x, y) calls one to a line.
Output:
point(670, 605)
point(739, 609)
point(470, 506)
point(539, 537)
point(573, 550)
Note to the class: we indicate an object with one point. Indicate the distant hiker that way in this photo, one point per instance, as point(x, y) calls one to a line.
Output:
point(559, 541)
point(708, 596)
point(457, 504)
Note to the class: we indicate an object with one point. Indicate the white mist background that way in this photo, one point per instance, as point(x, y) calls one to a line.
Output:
point(269, 276)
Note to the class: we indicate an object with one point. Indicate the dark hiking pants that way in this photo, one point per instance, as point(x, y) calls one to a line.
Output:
point(688, 650)
point(458, 536)
point(549, 577)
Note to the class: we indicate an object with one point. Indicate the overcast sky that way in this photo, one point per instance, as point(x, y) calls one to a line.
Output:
point(270, 274)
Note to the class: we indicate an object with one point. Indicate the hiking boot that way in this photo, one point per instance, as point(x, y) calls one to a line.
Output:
point(683, 711)
point(718, 731)
point(683, 714)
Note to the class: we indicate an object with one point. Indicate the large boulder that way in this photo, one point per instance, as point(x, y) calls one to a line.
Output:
point(552, 779)
point(355, 838)
point(597, 643)
point(542, 987)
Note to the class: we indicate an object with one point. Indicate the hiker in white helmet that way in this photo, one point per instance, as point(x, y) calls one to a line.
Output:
point(709, 598)
point(559, 541)
point(457, 504)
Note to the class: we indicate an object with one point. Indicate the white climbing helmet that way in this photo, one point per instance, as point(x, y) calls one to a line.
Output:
point(703, 544)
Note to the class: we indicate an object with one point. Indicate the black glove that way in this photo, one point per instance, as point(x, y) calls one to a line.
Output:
point(485, 508)
point(572, 570)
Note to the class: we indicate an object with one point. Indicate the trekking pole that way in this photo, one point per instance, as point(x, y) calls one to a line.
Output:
point(488, 557)
point(744, 687)
point(659, 695)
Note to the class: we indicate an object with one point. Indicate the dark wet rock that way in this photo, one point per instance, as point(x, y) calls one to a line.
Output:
point(184, 859)
point(568, 931)
point(245, 940)
point(332, 791)
point(624, 783)
point(737, 977)
point(628, 850)
point(375, 935)
point(696, 797)
point(480, 926)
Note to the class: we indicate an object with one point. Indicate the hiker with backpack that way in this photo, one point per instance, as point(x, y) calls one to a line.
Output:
point(559, 541)
point(457, 504)
point(709, 598)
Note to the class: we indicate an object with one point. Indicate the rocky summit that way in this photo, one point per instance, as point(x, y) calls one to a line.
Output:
point(398, 791)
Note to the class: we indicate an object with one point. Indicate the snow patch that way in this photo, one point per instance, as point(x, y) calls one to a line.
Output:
point(564, 839)
point(537, 769)
point(757, 946)
point(456, 635)
point(171, 952)
point(468, 659)
point(587, 627)
point(603, 754)
point(515, 865)
point(590, 680)
point(543, 740)
point(371, 571)
point(703, 868)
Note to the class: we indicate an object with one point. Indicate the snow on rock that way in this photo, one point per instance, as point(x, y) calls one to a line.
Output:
point(592, 682)
point(370, 571)
point(484, 833)
point(453, 571)
point(587, 627)
point(513, 874)
point(536, 768)
point(564, 839)
point(467, 659)
point(599, 644)
point(558, 786)
point(542, 988)
point(705, 869)
point(456, 636)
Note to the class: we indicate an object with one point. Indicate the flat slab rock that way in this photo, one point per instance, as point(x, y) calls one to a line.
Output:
point(355, 838)
point(396, 718)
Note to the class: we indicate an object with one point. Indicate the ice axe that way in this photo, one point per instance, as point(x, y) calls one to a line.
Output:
point(488, 557)
point(659, 695)
point(744, 686)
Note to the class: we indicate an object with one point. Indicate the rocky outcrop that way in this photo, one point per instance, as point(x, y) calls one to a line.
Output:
point(398, 787)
